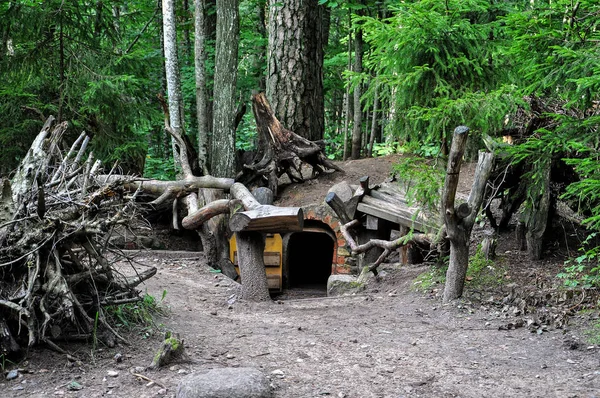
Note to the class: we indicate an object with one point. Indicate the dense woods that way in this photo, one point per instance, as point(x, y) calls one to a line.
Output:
point(358, 78)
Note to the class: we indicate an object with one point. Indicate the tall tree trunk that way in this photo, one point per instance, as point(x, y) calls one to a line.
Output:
point(373, 122)
point(295, 65)
point(166, 138)
point(172, 72)
point(347, 94)
point(357, 128)
point(261, 55)
point(210, 16)
point(61, 71)
point(187, 40)
point(226, 56)
point(200, 75)
point(250, 247)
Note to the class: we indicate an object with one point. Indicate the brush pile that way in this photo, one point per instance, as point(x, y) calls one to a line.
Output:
point(57, 266)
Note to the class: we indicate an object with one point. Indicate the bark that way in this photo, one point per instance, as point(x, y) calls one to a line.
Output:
point(459, 220)
point(172, 71)
point(374, 122)
point(195, 219)
point(536, 214)
point(200, 76)
point(347, 106)
point(226, 52)
point(260, 58)
point(357, 128)
point(295, 65)
point(250, 248)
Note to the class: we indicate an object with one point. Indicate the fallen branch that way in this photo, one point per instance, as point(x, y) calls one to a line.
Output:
point(387, 246)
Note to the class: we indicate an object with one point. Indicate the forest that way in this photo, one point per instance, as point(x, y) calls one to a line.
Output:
point(164, 89)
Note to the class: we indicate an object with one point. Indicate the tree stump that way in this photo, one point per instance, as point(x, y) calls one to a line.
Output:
point(280, 151)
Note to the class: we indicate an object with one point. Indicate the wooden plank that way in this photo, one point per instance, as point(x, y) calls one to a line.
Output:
point(268, 219)
point(270, 259)
point(400, 215)
point(372, 222)
point(274, 282)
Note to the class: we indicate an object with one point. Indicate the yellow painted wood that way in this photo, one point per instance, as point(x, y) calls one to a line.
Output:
point(273, 256)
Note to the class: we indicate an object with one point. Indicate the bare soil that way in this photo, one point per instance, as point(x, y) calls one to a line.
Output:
point(390, 341)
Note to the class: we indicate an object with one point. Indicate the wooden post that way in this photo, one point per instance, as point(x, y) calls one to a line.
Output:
point(250, 248)
point(250, 227)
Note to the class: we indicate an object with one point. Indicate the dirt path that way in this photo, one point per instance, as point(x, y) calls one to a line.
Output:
point(388, 342)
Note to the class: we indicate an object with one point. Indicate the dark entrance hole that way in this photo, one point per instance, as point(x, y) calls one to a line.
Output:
point(309, 258)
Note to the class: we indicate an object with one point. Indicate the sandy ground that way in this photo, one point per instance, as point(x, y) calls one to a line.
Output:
point(387, 342)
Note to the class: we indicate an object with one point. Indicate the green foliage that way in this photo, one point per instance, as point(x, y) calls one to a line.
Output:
point(159, 168)
point(584, 270)
point(482, 271)
point(554, 45)
point(334, 144)
point(593, 333)
point(426, 281)
point(80, 62)
point(138, 316)
point(246, 134)
point(422, 180)
point(586, 191)
point(437, 59)
point(386, 148)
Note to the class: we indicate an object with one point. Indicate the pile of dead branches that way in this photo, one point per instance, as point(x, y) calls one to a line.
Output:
point(56, 217)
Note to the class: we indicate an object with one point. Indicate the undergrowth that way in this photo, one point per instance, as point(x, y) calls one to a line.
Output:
point(139, 316)
point(592, 334)
point(481, 272)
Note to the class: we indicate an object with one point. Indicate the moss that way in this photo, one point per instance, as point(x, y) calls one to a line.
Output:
point(173, 343)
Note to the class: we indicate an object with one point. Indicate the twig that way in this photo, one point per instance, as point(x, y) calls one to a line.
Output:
point(29, 252)
point(148, 379)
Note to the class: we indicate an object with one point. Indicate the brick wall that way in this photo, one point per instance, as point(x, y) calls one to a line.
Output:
point(341, 253)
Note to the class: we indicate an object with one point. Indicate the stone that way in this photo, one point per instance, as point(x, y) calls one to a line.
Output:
point(225, 383)
point(112, 373)
point(278, 373)
point(13, 374)
point(339, 285)
point(343, 190)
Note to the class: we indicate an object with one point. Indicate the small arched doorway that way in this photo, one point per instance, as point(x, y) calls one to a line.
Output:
point(309, 257)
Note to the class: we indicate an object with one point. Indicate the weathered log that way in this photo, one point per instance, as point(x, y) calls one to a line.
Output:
point(267, 219)
point(263, 195)
point(212, 209)
point(387, 246)
point(263, 218)
point(175, 188)
point(338, 207)
point(362, 190)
